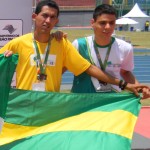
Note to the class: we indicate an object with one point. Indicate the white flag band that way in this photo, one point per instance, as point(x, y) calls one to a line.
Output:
point(1, 123)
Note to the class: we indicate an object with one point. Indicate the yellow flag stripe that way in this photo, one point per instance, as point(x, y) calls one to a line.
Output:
point(117, 122)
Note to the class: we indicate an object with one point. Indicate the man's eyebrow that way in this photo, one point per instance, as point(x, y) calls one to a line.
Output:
point(107, 21)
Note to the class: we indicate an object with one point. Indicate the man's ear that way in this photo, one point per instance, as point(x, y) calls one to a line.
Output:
point(92, 23)
point(34, 16)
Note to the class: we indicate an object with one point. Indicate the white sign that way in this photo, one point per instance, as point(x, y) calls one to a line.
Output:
point(10, 29)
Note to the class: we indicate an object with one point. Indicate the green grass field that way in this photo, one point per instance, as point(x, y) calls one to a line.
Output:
point(138, 40)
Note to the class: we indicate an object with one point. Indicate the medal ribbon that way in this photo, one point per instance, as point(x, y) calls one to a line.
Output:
point(102, 65)
point(39, 61)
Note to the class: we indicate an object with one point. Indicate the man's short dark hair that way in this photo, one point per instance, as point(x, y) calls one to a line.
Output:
point(104, 9)
point(49, 3)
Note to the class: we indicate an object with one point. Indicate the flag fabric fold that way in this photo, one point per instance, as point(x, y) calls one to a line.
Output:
point(7, 68)
point(68, 121)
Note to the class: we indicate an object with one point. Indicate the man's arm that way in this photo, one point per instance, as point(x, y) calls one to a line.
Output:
point(100, 75)
point(130, 78)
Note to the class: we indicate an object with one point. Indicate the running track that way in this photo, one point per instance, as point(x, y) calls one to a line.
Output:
point(141, 136)
point(141, 70)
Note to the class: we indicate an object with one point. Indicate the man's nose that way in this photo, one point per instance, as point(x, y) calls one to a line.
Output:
point(107, 25)
point(48, 19)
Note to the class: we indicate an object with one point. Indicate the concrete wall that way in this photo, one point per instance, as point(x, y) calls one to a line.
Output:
point(75, 18)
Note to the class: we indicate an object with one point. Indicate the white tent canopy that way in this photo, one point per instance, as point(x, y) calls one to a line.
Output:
point(135, 12)
point(139, 16)
point(125, 21)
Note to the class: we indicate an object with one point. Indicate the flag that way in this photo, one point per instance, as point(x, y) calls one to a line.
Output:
point(68, 121)
point(65, 121)
point(7, 67)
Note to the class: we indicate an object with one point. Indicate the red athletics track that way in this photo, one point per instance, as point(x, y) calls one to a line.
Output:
point(143, 123)
point(141, 136)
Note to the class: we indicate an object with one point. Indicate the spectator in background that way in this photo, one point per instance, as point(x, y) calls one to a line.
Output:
point(147, 25)
point(131, 28)
point(120, 27)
